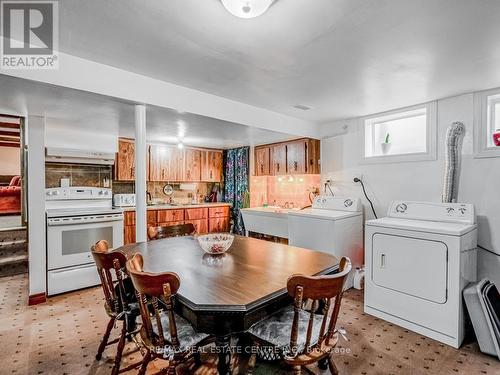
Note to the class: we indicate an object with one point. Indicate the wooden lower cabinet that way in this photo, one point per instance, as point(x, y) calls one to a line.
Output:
point(204, 219)
point(201, 225)
point(165, 216)
point(169, 223)
point(196, 213)
point(129, 218)
point(218, 224)
point(128, 234)
point(152, 218)
point(222, 211)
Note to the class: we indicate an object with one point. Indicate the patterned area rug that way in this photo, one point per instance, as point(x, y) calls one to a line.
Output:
point(62, 336)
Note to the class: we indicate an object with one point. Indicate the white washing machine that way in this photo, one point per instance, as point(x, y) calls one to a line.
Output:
point(333, 225)
point(418, 260)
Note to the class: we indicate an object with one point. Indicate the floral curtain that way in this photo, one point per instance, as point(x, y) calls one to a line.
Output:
point(236, 184)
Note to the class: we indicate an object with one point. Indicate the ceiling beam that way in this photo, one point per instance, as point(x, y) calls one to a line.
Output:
point(85, 75)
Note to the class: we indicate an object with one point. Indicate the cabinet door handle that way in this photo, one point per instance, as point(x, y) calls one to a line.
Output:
point(210, 174)
point(382, 260)
point(277, 167)
point(295, 165)
point(262, 168)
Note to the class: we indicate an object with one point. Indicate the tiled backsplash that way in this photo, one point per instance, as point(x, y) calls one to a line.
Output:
point(94, 175)
point(156, 190)
point(277, 190)
point(78, 174)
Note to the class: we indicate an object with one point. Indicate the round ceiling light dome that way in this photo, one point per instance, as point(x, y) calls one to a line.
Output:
point(247, 8)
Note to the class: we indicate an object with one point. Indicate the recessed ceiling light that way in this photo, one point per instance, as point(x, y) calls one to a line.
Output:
point(247, 8)
point(302, 107)
point(180, 145)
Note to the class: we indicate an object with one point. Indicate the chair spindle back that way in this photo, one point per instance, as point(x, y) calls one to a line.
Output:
point(106, 261)
point(153, 290)
point(318, 288)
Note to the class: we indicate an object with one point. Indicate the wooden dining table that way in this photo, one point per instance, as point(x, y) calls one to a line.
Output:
point(225, 294)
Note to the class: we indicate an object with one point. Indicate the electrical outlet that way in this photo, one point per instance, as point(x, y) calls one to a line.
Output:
point(328, 182)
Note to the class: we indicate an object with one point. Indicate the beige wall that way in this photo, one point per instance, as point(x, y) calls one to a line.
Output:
point(10, 162)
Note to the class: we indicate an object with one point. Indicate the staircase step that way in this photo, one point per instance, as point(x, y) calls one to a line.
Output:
point(13, 252)
point(13, 265)
point(13, 248)
point(13, 259)
point(12, 228)
point(13, 235)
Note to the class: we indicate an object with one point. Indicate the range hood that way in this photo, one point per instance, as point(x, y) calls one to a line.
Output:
point(64, 155)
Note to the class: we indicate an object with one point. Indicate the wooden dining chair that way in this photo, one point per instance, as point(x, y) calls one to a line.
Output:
point(304, 337)
point(156, 233)
point(164, 334)
point(118, 307)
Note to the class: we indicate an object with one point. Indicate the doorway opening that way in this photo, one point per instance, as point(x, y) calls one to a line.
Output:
point(13, 244)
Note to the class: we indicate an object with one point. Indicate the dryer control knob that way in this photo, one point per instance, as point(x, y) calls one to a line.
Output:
point(401, 208)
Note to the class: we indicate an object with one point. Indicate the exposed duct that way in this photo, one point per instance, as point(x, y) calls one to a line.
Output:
point(454, 135)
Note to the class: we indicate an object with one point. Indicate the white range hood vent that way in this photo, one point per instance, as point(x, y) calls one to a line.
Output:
point(64, 155)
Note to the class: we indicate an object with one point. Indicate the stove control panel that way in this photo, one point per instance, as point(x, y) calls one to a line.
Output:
point(77, 193)
point(431, 211)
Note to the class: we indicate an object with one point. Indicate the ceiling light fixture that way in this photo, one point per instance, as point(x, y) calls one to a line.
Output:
point(247, 8)
point(180, 145)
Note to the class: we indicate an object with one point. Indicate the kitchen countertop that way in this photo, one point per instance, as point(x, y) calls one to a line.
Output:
point(179, 206)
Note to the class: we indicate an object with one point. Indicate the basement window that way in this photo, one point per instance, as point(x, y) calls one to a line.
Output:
point(486, 123)
point(407, 134)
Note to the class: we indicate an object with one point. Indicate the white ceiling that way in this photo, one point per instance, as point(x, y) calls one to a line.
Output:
point(67, 108)
point(343, 58)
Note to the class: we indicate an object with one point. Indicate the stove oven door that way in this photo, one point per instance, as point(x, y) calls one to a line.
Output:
point(69, 240)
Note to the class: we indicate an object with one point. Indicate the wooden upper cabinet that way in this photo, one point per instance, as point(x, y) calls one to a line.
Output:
point(168, 163)
point(125, 160)
point(211, 166)
point(313, 161)
point(192, 165)
point(262, 161)
point(296, 157)
point(301, 156)
point(278, 159)
point(165, 163)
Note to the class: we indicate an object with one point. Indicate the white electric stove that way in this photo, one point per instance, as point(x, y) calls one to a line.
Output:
point(78, 217)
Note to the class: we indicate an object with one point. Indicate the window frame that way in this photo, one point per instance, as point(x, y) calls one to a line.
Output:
point(481, 126)
point(401, 113)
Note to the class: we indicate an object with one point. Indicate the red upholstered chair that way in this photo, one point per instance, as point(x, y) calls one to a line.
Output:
point(10, 197)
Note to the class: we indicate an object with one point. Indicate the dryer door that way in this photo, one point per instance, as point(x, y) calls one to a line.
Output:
point(412, 266)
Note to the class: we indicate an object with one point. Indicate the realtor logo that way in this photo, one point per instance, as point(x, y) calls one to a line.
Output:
point(30, 35)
